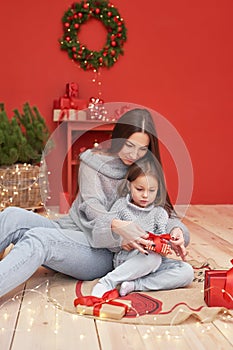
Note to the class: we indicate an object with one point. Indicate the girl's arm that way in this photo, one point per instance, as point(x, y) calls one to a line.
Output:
point(174, 224)
point(180, 236)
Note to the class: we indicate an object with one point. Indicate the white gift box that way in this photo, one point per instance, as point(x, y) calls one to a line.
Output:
point(69, 114)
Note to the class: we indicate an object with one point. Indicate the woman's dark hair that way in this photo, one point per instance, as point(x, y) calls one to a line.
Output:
point(138, 120)
point(148, 166)
point(135, 120)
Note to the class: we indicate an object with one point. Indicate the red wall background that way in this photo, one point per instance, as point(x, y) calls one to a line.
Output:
point(178, 61)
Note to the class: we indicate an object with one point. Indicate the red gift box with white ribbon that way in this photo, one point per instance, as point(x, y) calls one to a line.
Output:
point(218, 288)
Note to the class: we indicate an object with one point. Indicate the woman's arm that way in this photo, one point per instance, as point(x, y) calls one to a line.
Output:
point(110, 231)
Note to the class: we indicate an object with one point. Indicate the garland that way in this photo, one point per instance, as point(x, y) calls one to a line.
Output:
point(78, 14)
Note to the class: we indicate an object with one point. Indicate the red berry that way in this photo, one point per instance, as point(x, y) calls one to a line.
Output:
point(76, 25)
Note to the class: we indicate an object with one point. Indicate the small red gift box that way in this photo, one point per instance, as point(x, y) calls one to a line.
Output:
point(72, 90)
point(72, 103)
point(106, 307)
point(219, 288)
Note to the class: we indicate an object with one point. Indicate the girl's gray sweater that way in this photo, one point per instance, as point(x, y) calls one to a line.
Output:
point(152, 219)
point(99, 178)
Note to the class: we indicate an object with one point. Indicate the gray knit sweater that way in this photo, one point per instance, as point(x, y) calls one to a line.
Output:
point(99, 178)
point(152, 219)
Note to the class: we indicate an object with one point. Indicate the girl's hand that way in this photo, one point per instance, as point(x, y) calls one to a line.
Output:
point(177, 242)
point(133, 236)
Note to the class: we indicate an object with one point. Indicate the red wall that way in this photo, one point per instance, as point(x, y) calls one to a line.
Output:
point(178, 61)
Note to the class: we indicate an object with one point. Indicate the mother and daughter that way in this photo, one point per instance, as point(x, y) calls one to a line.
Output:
point(100, 231)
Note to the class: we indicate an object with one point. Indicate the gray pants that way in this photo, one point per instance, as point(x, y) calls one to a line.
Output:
point(39, 241)
point(149, 272)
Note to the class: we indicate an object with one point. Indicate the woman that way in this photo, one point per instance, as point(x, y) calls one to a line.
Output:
point(67, 245)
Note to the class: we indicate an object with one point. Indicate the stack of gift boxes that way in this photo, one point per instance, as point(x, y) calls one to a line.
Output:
point(70, 106)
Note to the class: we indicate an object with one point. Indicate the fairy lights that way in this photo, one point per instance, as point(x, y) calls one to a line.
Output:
point(38, 301)
point(19, 186)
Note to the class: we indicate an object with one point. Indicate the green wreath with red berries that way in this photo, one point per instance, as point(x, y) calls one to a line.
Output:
point(78, 14)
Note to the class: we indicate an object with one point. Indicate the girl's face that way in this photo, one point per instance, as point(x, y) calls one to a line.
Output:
point(135, 147)
point(144, 190)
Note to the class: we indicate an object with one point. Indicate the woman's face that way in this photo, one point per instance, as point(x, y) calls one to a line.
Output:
point(134, 148)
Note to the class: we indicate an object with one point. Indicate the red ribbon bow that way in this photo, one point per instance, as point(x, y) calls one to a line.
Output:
point(163, 236)
point(64, 113)
point(107, 298)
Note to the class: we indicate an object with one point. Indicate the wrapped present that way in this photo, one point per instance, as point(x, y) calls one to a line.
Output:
point(72, 90)
point(69, 114)
point(159, 243)
point(72, 103)
point(106, 307)
point(218, 288)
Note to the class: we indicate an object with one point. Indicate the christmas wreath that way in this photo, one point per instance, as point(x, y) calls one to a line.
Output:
point(78, 14)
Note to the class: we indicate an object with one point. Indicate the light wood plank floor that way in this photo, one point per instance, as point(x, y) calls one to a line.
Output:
point(30, 322)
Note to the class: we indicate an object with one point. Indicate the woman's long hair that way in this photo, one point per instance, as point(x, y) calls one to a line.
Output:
point(138, 120)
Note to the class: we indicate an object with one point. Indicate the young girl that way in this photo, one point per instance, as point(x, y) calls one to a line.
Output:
point(144, 205)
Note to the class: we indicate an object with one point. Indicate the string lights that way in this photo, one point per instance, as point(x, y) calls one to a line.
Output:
point(19, 186)
point(38, 304)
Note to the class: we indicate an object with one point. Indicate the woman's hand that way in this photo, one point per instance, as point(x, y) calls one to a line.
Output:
point(133, 236)
point(177, 242)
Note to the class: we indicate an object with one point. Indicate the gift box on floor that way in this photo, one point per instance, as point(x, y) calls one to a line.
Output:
point(106, 307)
point(218, 288)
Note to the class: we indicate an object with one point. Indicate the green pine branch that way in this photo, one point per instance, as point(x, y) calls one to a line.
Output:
point(22, 138)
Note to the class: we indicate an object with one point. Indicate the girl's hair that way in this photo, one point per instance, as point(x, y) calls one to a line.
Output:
point(138, 120)
point(147, 166)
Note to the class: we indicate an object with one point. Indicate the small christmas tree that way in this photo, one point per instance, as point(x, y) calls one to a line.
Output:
point(22, 139)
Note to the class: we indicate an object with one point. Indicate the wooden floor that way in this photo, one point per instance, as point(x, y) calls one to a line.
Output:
point(31, 322)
